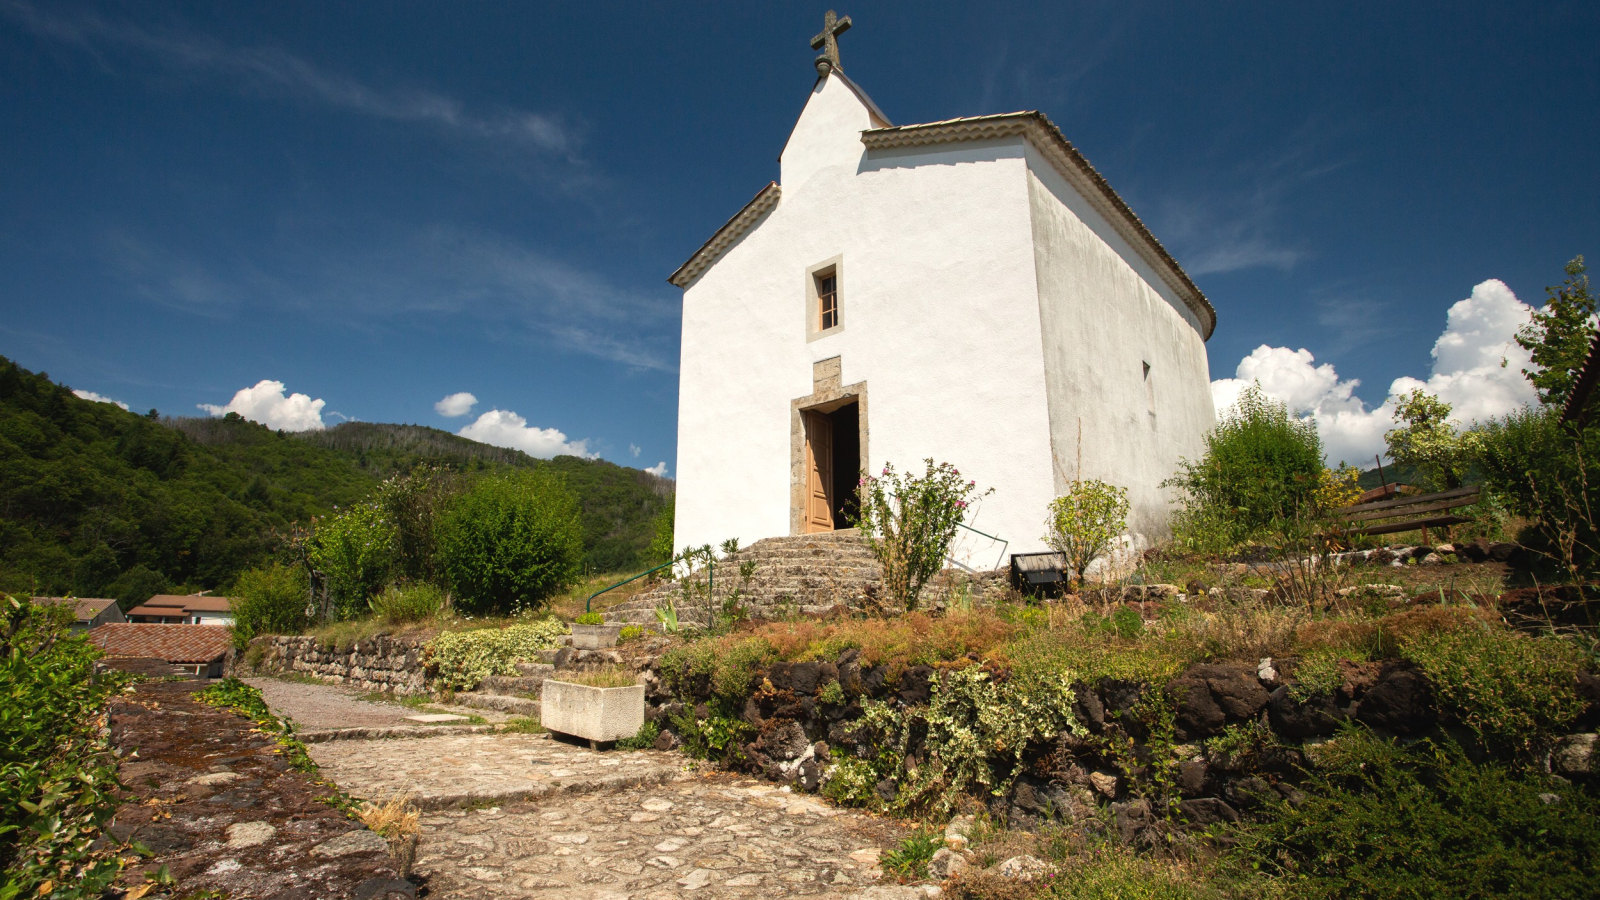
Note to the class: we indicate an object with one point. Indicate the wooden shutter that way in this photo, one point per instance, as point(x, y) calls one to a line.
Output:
point(819, 472)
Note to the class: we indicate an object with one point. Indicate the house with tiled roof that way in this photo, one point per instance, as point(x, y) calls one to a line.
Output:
point(89, 612)
point(194, 609)
point(195, 651)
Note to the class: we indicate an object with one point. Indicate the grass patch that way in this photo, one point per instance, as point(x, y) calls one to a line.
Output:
point(909, 860)
point(605, 677)
point(522, 725)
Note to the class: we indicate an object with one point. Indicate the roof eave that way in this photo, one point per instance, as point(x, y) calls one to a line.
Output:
point(1049, 140)
point(725, 237)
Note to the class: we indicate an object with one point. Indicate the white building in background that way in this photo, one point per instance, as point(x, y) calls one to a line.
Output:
point(969, 290)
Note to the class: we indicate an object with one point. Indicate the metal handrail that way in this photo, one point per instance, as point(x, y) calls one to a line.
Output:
point(1004, 545)
point(623, 582)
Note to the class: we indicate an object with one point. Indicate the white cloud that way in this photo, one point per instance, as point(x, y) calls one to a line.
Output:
point(659, 470)
point(267, 404)
point(458, 404)
point(100, 398)
point(504, 428)
point(634, 450)
point(1467, 373)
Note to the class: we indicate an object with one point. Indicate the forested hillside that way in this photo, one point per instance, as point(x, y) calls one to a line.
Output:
point(97, 501)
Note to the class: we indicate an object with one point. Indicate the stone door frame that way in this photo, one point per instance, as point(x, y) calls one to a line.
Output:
point(828, 394)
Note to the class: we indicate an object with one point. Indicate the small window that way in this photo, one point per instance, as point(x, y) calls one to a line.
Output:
point(827, 300)
point(824, 290)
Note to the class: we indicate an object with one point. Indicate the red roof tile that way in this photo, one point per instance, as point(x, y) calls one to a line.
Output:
point(173, 643)
point(86, 608)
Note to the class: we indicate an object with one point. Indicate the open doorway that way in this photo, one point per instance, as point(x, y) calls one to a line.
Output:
point(833, 465)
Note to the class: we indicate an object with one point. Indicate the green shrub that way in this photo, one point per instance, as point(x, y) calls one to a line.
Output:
point(511, 542)
point(728, 667)
point(1514, 690)
point(354, 551)
point(978, 728)
point(1539, 469)
point(416, 602)
point(57, 776)
point(909, 861)
point(1261, 466)
point(1382, 821)
point(910, 522)
point(644, 740)
point(590, 618)
point(630, 633)
point(273, 600)
point(459, 660)
point(1085, 520)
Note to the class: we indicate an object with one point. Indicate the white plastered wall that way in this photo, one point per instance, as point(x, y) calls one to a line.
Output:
point(940, 316)
point(1105, 314)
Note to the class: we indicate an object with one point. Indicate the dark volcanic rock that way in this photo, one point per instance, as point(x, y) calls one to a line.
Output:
point(1401, 701)
point(1198, 714)
point(1315, 717)
point(1589, 693)
point(805, 677)
point(1192, 776)
point(1210, 695)
point(914, 685)
point(1031, 801)
point(1086, 705)
point(1205, 811)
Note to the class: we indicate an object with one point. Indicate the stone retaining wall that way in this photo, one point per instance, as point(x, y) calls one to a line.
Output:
point(383, 663)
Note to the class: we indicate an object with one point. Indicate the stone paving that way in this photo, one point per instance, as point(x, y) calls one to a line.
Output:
point(329, 707)
point(457, 769)
point(706, 836)
point(511, 815)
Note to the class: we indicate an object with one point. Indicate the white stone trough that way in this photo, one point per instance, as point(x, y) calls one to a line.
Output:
point(595, 714)
point(595, 637)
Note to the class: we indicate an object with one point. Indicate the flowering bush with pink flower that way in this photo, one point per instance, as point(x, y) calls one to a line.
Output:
point(910, 522)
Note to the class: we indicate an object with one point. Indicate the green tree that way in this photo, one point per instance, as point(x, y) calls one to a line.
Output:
point(1429, 442)
point(270, 600)
point(511, 542)
point(660, 549)
point(1085, 520)
point(354, 551)
point(412, 503)
point(1262, 466)
point(1559, 336)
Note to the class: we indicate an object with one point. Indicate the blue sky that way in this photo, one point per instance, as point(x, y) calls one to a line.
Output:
point(378, 205)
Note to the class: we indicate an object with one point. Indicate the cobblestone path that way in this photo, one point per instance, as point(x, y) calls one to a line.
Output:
point(463, 769)
point(511, 815)
point(704, 836)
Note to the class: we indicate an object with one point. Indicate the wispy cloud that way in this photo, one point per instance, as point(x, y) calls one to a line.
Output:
point(514, 291)
point(273, 70)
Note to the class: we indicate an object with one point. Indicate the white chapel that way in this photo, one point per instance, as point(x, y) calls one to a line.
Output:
point(969, 290)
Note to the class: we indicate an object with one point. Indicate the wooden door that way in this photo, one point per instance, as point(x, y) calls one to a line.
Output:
point(819, 473)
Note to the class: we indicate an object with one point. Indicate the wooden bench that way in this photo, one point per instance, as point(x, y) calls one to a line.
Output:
point(1415, 512)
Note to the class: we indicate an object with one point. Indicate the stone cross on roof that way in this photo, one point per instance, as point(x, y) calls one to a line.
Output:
point(832, 27)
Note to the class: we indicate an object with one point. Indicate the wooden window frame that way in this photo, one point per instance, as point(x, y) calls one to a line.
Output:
point(828, 268)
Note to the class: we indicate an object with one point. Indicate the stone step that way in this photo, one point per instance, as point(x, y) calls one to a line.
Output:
point(522, 706)
point(513, 685)
point(538, 669)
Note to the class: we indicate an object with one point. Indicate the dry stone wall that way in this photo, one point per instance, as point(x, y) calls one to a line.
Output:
point(383, 663)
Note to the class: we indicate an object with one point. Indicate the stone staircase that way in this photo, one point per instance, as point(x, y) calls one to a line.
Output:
point(805, 574)
point(517, 694)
